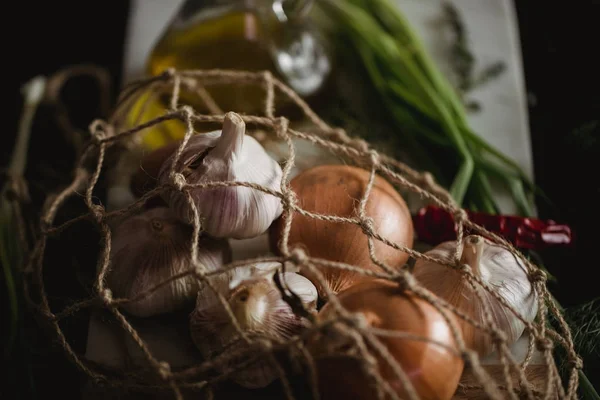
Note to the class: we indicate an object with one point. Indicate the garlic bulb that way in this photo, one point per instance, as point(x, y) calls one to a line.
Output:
point(259, 310)
point(497, 267)
point(235, 212)
point(146, 170)
point(151, 247)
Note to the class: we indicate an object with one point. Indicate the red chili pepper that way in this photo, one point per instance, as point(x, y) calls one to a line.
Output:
point(435, 225)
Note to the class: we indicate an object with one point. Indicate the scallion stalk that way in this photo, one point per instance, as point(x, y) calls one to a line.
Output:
point(422, 102)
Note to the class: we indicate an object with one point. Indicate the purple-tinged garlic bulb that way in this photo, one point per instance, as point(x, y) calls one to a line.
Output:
point(236, 212)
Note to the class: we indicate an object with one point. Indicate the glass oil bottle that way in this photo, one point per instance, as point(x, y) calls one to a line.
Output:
point(251, 35)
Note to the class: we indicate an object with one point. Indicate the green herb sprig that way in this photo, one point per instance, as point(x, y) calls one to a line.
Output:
point(423, 104)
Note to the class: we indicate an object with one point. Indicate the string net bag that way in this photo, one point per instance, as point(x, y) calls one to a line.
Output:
point(298, 374)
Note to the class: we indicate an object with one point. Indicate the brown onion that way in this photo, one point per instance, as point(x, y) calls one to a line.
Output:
point(502, 271)
point(337, 190)
point(433, 370)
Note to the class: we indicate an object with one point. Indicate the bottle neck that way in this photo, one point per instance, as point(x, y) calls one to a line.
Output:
point(291, 10)
point(193, 12)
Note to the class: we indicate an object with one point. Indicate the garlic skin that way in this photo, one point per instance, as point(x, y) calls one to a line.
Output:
point(233, 212)
point(151, 247)
point(145, 173)
point(497, 267)
point(259, 310)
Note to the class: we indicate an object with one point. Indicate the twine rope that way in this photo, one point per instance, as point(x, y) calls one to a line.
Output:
point(366, 346)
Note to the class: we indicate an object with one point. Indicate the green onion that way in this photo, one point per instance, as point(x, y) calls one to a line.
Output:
point(422, 103)
point(11, 251)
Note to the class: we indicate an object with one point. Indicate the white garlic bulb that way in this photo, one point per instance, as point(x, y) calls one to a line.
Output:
point(236, 212)
point(497, 267)
point(259, 309)
point(150, 247)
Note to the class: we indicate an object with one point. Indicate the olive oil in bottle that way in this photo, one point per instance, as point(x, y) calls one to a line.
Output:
point(232, 41)
point(249, 35)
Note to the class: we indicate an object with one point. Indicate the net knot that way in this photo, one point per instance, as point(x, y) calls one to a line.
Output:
point(45, 225)
point(576, 362)
point(100, 380)
point(367, 225)
point(544, 344)
point(282, 124)
point(267, 76)
point(428, 179)
point(199, 270)
point(168, 73)
point(107, 296)
point(164, 370)
point(354, 320)
point(298, 256)
point(100, 131)
point(374, 156)
point(460, 215)
point(498, 336)
point(465, 268)
point(538, 276)
point(339, 135)
point(405, 281)
point(98, 211)
point(289, 199)
point(187, 111)
point(360, 145)
point(178, 181)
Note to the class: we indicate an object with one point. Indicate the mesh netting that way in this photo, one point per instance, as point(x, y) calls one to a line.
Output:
point(365, 341)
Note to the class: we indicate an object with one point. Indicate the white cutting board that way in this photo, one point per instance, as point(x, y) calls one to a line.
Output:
point(492, 28)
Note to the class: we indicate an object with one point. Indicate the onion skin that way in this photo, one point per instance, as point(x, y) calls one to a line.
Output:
point(337, 190)
point(434, 371)
point(499, 269)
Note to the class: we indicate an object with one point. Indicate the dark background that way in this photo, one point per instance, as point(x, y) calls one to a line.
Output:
point(561, 63)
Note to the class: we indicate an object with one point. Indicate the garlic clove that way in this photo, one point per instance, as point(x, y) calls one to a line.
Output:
point(259, 310)
point(500, 270)
point(264, 270)
point(258, 305)
point(236, 212)
point(151, 247)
